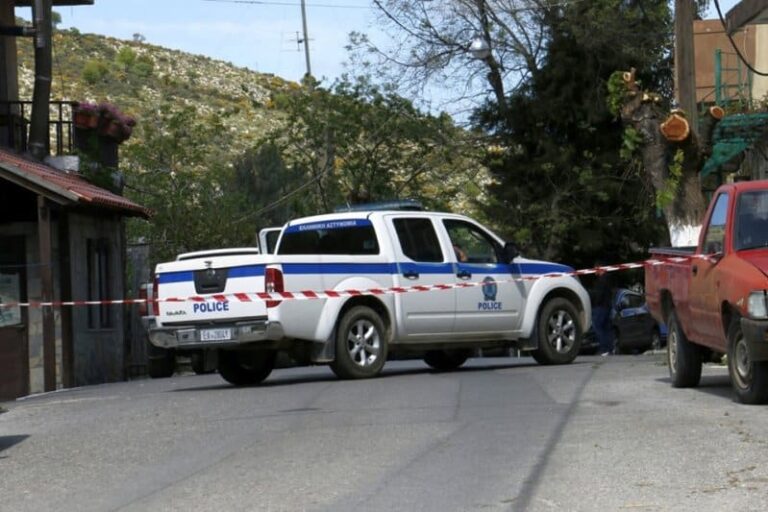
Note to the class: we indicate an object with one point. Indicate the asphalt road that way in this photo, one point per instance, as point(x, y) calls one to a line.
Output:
point(602, 434)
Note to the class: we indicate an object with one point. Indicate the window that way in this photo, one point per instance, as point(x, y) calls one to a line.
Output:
point(752, 220)
point(10, 292)
point(344, 237)
point(713, 242)
point(418, 240)
point(99, 283)
point(470, 243)
point(272, 237)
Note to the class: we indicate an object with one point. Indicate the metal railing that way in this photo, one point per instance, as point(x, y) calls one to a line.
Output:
point(14, 126)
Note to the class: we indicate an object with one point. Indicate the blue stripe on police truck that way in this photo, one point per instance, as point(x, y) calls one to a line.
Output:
point(376, 268)
point(339, 268)
point(175, 277)
point(233, 272)
point(539, 268)
point(247, 271)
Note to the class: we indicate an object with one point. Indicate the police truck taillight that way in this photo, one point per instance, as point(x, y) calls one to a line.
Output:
point(154, 306)
point(273, 282)
point(143, 306)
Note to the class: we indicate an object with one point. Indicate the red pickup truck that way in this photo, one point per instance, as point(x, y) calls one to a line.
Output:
point(713, 300)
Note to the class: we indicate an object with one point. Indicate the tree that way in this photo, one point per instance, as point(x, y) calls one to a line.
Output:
point(670, 152)
point(430, 45)
point(562, 181)
point(566, 184)
point(94, 71)
point(181, 172)
point(55, 20)
point(357, 142)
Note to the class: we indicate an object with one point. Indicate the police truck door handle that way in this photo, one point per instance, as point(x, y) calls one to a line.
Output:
point(695, 270)
point(464, 274)
point(411, 274)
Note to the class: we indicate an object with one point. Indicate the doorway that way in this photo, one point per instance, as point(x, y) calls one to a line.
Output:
point(14, 347)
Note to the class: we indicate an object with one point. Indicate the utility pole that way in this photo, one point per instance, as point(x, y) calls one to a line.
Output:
point(685, 67)
point(41, 96)
point(306, 37)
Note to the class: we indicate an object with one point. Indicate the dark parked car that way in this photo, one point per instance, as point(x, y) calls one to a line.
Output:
point(633, 327)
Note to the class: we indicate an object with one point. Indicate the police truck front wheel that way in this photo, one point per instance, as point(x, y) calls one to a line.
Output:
point(245, 367)
point(559, 333)
point(361, 344)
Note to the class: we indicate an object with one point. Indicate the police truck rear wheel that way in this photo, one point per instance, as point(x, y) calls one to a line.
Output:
point(361, 344)
point(684, 357)
point(446, 360)
point(161, 362)
point(245, 368)
point(559, 333)
point(749, 378)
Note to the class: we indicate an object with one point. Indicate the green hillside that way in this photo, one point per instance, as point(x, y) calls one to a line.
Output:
point(137, 77)
point(252, 149)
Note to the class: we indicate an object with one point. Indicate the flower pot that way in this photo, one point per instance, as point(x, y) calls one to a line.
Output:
point(85, 120)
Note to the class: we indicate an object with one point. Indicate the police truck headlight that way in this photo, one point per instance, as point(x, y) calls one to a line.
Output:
point(756, 305)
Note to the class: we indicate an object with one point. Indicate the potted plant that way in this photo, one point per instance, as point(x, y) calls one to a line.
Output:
point(85, 115)
point(114, 124)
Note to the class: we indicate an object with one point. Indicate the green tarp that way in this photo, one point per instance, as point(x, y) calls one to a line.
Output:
point(734, 135)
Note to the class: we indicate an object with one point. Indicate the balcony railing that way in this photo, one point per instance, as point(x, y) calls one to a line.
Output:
point(14, 126)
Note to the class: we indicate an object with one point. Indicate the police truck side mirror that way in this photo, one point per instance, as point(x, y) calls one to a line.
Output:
point(510, 252)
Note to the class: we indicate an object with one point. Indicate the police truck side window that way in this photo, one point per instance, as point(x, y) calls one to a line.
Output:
point(470, 243)
point(418, 240)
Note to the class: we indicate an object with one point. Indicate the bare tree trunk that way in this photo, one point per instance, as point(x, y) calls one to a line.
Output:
point(663, 135)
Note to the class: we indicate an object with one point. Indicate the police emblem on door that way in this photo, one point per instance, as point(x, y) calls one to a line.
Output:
point(490, 290)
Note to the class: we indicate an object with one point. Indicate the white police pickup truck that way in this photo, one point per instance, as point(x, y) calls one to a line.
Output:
point(481, 294)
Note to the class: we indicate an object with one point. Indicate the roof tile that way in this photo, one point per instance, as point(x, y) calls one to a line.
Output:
point(55, 180)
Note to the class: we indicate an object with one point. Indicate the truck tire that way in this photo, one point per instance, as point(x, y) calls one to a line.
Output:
point(683, 357)
point(161, 363)
point(559, 333)
point(361, 344)
point(446, 360)
point(748, 378)
point(245, 367)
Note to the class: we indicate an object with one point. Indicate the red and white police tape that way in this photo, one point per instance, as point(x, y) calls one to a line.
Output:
point(334, 294)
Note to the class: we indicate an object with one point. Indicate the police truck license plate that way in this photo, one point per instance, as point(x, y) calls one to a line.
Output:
point(215, 334)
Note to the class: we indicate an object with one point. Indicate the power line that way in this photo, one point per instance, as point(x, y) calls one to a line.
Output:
point(733, 43)
point(289, 4)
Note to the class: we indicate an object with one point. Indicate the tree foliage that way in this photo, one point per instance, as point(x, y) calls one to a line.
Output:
point(570, 186)
point(356, 142)
point(182, 174)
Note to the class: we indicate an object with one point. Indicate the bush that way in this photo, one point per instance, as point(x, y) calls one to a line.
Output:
point(95, 71)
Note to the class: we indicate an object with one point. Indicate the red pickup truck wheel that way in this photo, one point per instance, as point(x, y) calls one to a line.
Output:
point(684, 357)
point(559, 333)
point(748, 378)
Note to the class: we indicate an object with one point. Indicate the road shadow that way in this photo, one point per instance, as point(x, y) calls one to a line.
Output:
point(276, 380)
point(716, 385)
point(8, 441)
